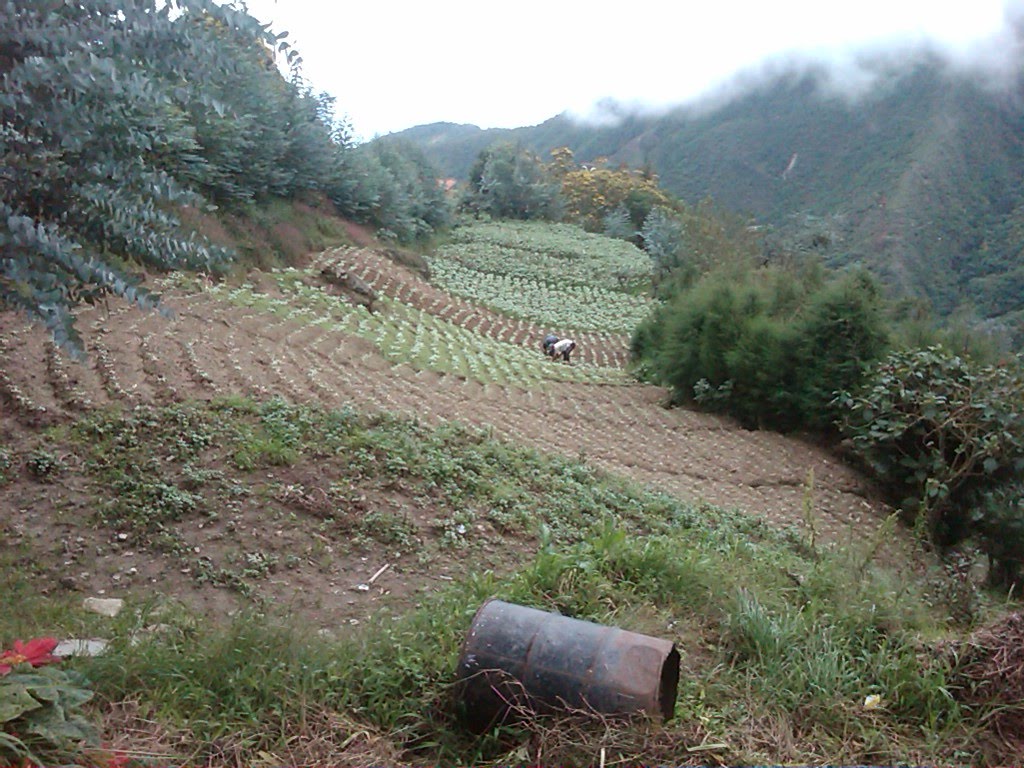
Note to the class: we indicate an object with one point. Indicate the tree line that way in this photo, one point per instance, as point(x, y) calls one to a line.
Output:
point(116, 114)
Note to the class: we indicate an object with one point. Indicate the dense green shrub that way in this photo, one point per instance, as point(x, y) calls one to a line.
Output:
point(947, 439)
point(510, 182)
point(394, 187)
point(840, 331)
point(767, 346)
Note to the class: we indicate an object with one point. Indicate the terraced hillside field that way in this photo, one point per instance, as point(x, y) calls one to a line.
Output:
point(427, 354)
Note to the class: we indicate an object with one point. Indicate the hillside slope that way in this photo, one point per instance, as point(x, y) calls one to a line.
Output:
point(212, 347)
point(351, 476)
point(918, 179)
point(267, 339)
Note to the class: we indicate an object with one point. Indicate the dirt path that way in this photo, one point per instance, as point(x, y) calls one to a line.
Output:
point(212, 347)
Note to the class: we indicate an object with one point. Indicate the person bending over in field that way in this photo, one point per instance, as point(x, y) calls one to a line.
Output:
point(549, 341)
point(563, 347)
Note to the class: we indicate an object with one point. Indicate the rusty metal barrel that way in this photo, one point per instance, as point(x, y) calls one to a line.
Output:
point(518, 660)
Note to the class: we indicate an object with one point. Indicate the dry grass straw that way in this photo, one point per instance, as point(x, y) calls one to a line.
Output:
point(541, 734)
point(989, 678)
point(320, 738)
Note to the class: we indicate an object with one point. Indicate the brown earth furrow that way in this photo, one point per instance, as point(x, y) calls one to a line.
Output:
point(125, 351)
point(398, 282)
point(213, 348)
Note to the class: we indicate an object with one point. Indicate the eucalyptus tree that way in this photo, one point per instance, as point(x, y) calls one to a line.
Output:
point(396, 189)
point(99, 144)
point(510, 182)
point(663, 235)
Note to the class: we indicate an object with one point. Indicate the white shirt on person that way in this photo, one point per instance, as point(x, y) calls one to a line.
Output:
point(563, 345)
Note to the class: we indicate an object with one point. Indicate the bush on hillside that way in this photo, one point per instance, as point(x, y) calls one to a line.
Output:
point(766, 346)
point(510, 182)
point(946, 437)
point(592, 194)
point(663, 237)
point(394, 188)
point(616, 223)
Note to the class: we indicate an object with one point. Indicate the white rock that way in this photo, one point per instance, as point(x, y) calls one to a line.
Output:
point(105, 606)
point(80, 648)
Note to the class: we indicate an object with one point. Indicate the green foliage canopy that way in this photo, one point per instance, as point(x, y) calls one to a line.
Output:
point(397, 189)
point(115, 115)
point(509, 182)
point(947, 439)
point(95, 144)
point(592, 193)
point(768, 346)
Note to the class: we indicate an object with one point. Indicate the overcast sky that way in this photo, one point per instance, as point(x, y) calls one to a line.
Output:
point(394, 64)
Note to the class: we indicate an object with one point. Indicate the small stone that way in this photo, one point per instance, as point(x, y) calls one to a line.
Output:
point(80, 648)
point(150, 631)
point(105, 606)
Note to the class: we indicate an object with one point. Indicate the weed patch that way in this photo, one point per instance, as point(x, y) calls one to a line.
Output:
point(782, 642)
point(805, 666)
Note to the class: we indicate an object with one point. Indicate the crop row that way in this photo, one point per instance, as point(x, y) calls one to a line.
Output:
point(596, 347)
point(405, 334)
point(541, 250)
point(11, 395)
point(570, 305)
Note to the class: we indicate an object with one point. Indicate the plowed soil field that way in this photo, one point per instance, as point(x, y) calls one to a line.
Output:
point(214, 347)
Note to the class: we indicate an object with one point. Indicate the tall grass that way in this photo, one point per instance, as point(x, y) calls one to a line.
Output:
point(763, 651)
point(781, 642)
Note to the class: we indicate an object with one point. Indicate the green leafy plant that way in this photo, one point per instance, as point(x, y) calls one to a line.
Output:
point(947, 439)
point(44, 465)
point(768, 346)
point(40, 706)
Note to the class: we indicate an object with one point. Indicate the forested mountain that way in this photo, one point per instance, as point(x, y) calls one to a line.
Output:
point(919, 179)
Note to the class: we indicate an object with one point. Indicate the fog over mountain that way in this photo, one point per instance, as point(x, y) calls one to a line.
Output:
point(852, 71)
point(494, 66)
point(906, 158)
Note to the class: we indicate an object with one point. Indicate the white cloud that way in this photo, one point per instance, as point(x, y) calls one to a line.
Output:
point(395, 64)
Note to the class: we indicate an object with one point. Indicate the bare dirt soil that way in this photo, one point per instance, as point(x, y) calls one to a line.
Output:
point(212, 348)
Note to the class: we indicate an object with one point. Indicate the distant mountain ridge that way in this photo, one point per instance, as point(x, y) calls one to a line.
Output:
point(920, 179)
